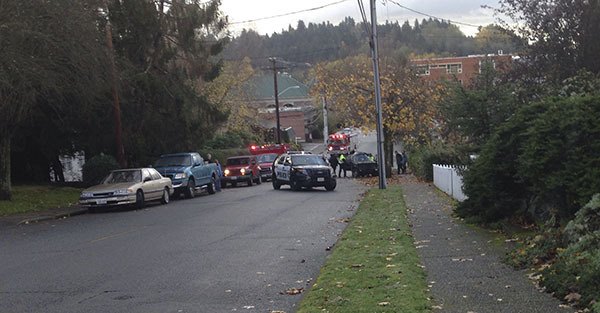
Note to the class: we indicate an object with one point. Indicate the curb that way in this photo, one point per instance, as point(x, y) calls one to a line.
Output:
point(42, 218)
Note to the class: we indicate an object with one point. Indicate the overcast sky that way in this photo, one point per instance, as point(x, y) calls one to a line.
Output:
point(465, 11)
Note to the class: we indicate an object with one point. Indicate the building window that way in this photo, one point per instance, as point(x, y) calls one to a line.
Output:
point(488, 62)
point(422, 70)
point(454, 68)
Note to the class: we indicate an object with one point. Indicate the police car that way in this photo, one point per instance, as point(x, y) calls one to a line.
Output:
point(302, 170)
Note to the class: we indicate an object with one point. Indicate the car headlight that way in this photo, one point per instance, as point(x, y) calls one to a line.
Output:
point(180, 175)
point(86, 194)
point(120, 192)
point(226, 172)
point(243, 171)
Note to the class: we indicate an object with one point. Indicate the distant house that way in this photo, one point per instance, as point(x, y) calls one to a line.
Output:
point(463, 69)
point(296, 107)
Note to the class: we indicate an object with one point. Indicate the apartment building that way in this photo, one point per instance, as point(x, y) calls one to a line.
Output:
point(462, 69)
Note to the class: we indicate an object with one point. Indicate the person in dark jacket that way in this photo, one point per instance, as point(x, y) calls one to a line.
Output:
point(404, 162)
point(399, 160)
point(333, 161)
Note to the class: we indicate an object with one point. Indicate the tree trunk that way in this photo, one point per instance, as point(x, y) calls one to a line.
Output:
point(5, 186)
point(388, 151)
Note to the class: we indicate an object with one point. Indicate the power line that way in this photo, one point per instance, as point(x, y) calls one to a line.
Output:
point(289, 13)
point(432, 16)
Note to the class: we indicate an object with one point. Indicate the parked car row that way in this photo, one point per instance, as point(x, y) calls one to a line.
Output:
point(187, 173)
point(172, 175)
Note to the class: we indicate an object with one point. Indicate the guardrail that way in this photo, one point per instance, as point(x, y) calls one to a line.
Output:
point(447, 179)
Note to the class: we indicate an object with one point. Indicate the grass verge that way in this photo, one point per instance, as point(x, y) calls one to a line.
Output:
point(39, 198)
point(374, 266)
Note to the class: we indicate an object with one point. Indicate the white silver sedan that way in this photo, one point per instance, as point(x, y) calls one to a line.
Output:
point(128, 186)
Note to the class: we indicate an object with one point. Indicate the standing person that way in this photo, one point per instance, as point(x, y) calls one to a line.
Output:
point(399, 161)
point(404, 162)
point(342, 164)
point(333, 161)
point(219, 175)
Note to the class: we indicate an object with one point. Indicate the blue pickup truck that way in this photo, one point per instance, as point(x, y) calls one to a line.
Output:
point(188, 173)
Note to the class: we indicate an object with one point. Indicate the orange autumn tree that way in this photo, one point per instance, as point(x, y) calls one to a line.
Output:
point(408, 103)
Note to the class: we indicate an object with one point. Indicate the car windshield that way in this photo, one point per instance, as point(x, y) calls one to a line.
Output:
point(264, 158)
point(129, 176)
point(307, 159)
point(362, 158)
point(174, 160)
point(238, 161)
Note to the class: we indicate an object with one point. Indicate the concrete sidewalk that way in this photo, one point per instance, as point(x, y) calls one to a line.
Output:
point(463, 266)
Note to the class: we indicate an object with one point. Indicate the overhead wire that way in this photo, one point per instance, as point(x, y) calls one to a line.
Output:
point(289, 13)
point(432, 16)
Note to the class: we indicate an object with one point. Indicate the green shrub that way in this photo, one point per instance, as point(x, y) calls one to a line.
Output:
point(421, 159)
point(567, 259)
point(233, 139)
point(577, 268)
point(97, 168)
point(543, 161)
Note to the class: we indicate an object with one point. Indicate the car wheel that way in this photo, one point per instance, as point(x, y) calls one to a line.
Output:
point(190, 191)
point(331, 186)
point(139, 200)
point(295, 185)
point(276, 184)
point(165, 197)
point(211, 186)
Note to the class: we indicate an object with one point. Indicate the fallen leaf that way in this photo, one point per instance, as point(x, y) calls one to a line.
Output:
point(383, 303)
point(572, 297)
point(294, 291)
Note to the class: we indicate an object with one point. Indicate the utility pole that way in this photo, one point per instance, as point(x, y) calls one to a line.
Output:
point(273, 60)
point(374, 53)
point(115, 93)
point(325, 125)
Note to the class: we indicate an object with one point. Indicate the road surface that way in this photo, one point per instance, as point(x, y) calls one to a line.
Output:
point(238, 250)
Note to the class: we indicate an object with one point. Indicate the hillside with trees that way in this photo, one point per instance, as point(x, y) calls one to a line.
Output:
point(314, 43)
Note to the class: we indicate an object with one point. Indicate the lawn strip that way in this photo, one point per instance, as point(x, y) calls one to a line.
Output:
point(374, 266)
point(39, 198)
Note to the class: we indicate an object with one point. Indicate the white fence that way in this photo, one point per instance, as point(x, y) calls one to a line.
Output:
point(447, 179)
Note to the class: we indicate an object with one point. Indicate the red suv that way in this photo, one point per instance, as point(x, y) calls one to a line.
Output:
point(241, 168)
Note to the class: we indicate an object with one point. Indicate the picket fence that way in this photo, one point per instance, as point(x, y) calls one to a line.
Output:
point(447, 179)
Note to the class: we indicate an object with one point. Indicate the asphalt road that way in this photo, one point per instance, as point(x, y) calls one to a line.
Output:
point(238, 250)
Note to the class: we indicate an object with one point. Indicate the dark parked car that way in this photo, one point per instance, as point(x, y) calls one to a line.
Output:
point(362, 164)
point(302, 170)
point(241, 168)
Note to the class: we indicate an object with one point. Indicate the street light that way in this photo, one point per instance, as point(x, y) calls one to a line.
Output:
point(288, 88)
point(277, 107)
